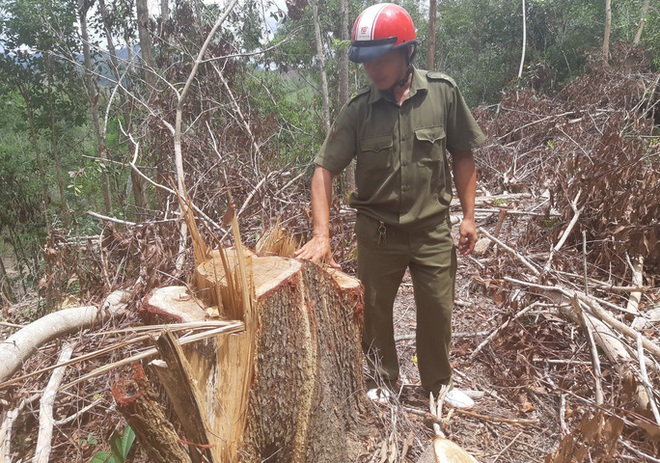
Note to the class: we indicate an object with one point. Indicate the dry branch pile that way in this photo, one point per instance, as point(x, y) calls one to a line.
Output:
point(594, 148)
point(573, 266)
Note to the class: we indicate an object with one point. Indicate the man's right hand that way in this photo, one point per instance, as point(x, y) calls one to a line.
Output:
point(317, 250)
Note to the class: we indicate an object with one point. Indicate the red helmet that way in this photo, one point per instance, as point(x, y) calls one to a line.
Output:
point(379, 29)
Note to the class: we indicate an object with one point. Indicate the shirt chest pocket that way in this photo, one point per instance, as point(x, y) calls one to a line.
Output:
point(374, 166)
point(430, 144)
point(375, 154)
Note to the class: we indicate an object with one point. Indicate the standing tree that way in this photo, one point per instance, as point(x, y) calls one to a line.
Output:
point(433, 14)
point(608, 30)
point(93, 97)
point(320, 56)
point(524, 39)
point(642, 21)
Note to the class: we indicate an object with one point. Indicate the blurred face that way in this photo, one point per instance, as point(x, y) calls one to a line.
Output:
point(386, 70)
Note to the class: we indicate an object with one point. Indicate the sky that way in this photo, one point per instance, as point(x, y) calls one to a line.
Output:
point(154, 9)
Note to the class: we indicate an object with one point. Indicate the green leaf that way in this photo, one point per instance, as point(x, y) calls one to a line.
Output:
point(104, 457)
point(121, 445)
point(127, 440)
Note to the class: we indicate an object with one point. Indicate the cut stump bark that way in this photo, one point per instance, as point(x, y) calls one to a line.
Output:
point(288, 389)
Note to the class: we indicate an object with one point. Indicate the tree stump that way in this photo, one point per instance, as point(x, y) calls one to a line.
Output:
point(290, 388)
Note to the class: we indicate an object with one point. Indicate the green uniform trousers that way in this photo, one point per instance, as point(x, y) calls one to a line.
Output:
point(384, 254)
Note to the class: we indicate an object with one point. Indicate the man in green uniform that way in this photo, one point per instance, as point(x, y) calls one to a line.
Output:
point(400, 130)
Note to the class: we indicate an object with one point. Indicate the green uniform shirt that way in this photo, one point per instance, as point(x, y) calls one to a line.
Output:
point(402, 174)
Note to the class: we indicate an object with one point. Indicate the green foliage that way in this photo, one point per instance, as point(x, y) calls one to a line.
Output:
point(120, 445)
point(89, 440)
point(479, 42)
point(292, 104)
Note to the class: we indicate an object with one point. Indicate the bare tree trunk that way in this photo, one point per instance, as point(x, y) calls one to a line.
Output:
point(93, 98)
point(325, 94)
point(642, 21)
point(6, 290)
point(433, 13)
point(343, 55)
point(178, 153)
point(139, 190)
point(524, 39)
point(164, 10)
point(348, 176)
point(142, 10)
point(54, 143)
point(45, 197)
point(608, 30)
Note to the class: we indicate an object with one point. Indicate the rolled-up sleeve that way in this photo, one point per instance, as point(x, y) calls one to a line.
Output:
point(463, 132)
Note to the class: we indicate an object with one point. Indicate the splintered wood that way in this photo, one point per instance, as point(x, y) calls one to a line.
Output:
point(290, 384)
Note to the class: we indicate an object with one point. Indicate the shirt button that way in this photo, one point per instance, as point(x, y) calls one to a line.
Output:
point(403, 138)
point(404, 163)
point(405, 188)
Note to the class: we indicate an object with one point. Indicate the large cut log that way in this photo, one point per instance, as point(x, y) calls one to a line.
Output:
point(289, 388)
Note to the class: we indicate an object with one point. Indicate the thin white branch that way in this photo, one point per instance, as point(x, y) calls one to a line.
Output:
point(498, 330)
point(645, 378)
point(78, 414)
point(595, 360)
point(511, 250)
point(46, 421)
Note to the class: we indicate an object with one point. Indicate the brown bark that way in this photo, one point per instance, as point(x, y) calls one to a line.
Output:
point(289, 388)
point(138, 402)
point(430, 59)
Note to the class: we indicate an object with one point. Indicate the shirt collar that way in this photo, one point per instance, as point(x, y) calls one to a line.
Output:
point(419, 83)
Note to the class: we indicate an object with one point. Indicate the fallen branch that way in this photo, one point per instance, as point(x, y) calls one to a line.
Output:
point(46, 421)
point(567, 231)
point(24, 343)
point(604, 336)
point(645, 379)
point(522, 259)
point(636, 296)
point(79, 413)
point(594, 352)
point(594, 306)
point(5, 432)
point(460, 411)
point(498, 330)
point(603, 286)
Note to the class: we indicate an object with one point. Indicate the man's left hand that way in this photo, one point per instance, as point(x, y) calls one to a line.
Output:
point(468, 237)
